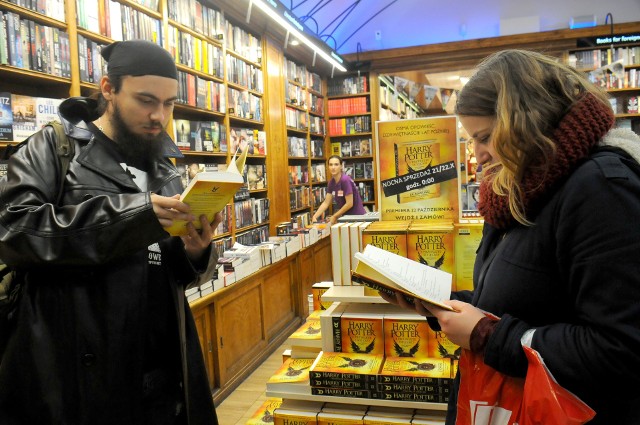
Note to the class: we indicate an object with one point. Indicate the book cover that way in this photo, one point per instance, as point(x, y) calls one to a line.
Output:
point(354, 366)
point(290, 417)
point(467, 237)
point(441, 347)
point(46, 111)
point(264, 414)
point(422, 371)
point(371, 419)
point(385, 271)
point(329, 418)
point(317, 289)
point(292, 376)
point(405, 335)
point(181, 134)
point(6, 117)
point(24, 116)
point(418, 168)
point(309, 330)
point(209, 192)
point(362, 330)
point(388, 235)
point(432, 245)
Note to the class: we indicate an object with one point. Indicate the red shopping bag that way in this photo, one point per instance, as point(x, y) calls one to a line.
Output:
point(488, 397)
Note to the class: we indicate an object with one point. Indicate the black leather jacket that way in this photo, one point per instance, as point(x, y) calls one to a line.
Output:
point(75, 354)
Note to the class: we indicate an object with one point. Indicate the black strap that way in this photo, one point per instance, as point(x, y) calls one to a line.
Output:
point(65, 151)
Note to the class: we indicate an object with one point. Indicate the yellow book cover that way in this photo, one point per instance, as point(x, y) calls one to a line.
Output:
point(317, 290)
point(310, 329)
point(292, 370)
point(209, 192)
point(290, 417)
point(432, 245)
point(328, 418)
point(405, 335)
point(357, 365)
point(381, 420)
point(424, 367)
point(418, 169)
point(441, 347)
point(388, 235)
point(362, 333)
point(264, 414)
point(467, 238)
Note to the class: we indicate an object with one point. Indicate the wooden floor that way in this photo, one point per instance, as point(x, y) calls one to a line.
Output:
point(247, 398)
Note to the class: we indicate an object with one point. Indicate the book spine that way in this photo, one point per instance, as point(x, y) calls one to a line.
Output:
point(337, 333)
point(411, 388)
point(344, 392)
point(363, 378)
point(430, 398)
point(413, 380)
point(344, 383)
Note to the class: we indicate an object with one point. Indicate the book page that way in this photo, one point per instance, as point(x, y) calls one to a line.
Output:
point(422, 280)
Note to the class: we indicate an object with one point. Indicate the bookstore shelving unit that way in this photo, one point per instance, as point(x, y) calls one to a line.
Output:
point(623, 85)
point(305, 127)
point(395, 105)
point(352, 112)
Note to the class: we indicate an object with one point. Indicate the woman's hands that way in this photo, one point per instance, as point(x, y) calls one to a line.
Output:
point(457, 325)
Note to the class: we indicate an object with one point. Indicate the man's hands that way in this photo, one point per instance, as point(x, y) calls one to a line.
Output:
point(168, 209)
point(457, 325)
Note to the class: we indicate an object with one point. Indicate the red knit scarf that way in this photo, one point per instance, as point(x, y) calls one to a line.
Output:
point(577, 133)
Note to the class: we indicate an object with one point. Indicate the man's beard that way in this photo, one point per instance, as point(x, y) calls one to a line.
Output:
point(138, 150)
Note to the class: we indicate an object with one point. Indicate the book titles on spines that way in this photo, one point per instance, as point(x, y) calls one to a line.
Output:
point(31, 45)
point(117, 21)
point(53, 9)
point(21, 116)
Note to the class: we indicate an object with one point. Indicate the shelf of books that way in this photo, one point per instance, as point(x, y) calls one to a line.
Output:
point(395, 105)
point(350, 128)
point(305, 123)
point(616, 68)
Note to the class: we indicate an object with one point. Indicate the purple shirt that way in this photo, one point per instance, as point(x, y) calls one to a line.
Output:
point(342, 188)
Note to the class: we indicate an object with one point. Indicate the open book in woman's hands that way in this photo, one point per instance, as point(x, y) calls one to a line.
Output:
point(209, 191)
point(390, 273)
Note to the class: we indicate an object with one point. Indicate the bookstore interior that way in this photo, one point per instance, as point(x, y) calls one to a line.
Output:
point(243, 87)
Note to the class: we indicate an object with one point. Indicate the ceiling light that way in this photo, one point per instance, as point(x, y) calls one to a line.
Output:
point(295, 28)
point(294, 42)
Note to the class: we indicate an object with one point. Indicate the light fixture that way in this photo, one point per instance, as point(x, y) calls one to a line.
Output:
point(295, 28)
point(294, 42)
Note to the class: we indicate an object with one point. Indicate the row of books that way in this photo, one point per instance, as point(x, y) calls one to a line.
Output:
point(248, 138)
point(348, 85)
point(362, 375)
point(359, 170)
point(349, 106)
point(395, 105)
point(243, 43)
point(117, 21)
point(624, 104)
point(244, 104)
point(254, 236)
point(244, 74)
point(30, 45)
point(198, 16)
point(291, 411)
point(21, 116)
point(444, 246)
point(251, 211)
point(300, 98)
point(296, 118)
point(299, 197)
point(92, 64)
point(350, 125)
point(300, 75)
point(54, 9)
point(254, 175)
point(200, 136)
point(367, 194)
point(353, 147)
point(611, 81)
point(590, 59)
point(196, 53)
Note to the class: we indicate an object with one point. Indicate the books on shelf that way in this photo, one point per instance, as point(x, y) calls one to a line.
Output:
point(209, 192)
point(264, 414)
point(390, 273)
point(292, 377)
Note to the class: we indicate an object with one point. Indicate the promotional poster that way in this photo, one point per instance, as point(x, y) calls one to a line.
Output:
point(418, 169)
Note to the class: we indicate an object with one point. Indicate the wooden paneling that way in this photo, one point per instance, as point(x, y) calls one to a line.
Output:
point(278, 303)
point(203, 325)
point(240, 329)
point(322, 261)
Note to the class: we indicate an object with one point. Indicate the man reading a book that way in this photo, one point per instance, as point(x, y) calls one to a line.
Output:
point(102, 333)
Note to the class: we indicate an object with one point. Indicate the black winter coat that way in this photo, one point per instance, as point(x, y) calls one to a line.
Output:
point(574, 276)
point(75, 353)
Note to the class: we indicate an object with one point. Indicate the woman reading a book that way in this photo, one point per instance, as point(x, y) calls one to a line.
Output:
point(344, 190)
point(558, 262)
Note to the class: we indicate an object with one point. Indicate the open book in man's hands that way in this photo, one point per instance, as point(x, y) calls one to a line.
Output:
point(209, 191)
point(387, 272)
